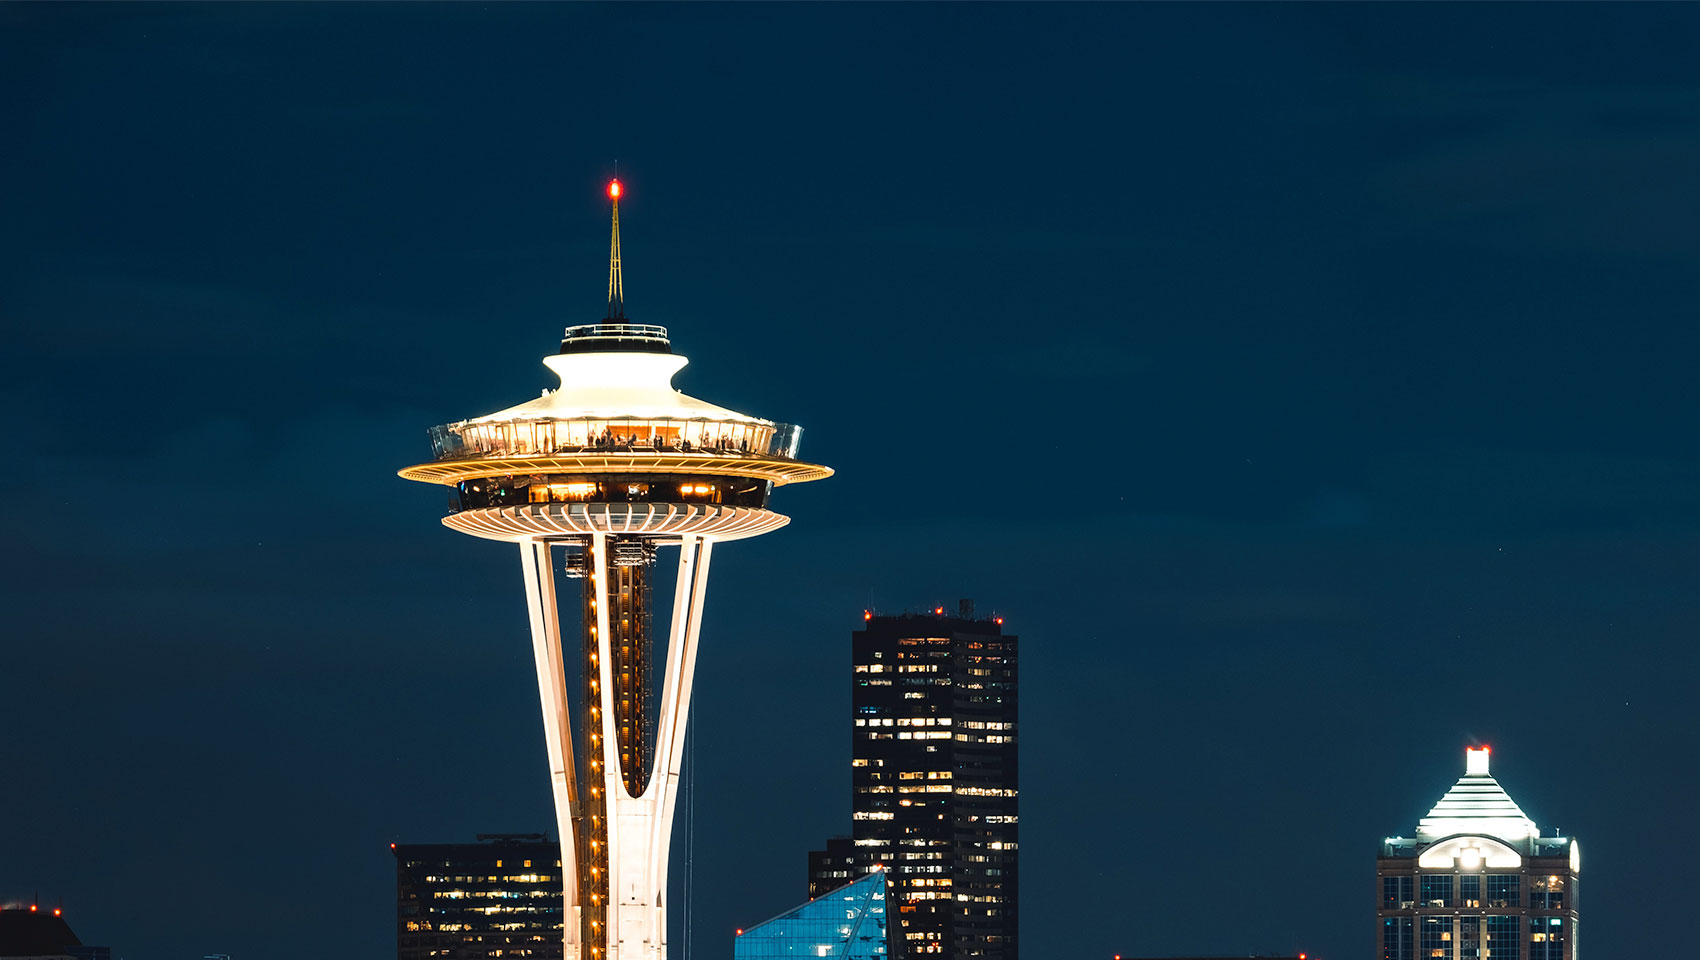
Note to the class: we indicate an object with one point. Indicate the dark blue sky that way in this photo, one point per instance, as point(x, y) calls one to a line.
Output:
point(1311, 387)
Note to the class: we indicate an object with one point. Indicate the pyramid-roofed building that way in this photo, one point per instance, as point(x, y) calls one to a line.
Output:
point(1477, 880)
point(1477, 804)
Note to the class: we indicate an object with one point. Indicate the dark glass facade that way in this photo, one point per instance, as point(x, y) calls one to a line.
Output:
point(833, 867)
point(935, 778)
point(500, 897)
point(1478, 911)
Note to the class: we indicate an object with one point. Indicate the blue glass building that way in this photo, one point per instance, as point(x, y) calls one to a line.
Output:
point(848, 922)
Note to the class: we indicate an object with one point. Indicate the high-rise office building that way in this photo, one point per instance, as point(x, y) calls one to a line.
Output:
point(1477, 880)
point(848, 923)
point(935, 780)
point(499, 897)
point(833, 867)
point(590, 480)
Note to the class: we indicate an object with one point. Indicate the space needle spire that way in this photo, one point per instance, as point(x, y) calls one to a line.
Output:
point(595, 481)
point(616, 293)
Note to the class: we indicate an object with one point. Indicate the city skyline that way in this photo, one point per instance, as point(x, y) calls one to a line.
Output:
point(1375, 320)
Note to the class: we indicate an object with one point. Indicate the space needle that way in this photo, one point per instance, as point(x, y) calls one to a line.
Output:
point(592, 479)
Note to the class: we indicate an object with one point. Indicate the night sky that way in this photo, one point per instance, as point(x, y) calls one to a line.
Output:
point(1311, 387)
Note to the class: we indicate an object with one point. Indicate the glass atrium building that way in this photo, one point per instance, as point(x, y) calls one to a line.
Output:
point(848, 922)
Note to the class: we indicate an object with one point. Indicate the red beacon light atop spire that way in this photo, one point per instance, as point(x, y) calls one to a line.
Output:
point(615, 189)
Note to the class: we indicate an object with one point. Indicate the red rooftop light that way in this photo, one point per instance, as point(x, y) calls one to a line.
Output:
point(614, 189)
point(32, 908)
point(57, 911)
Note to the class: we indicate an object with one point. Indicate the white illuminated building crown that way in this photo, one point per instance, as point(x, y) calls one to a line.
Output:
point(1477, 804)
point(1477, 824)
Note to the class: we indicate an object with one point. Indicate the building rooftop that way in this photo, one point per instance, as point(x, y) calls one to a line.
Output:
point(32, 932)
point(1477, 804)
point(1478, 822)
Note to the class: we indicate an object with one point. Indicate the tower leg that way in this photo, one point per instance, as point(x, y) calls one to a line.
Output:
point(536, 560)
point(624, 837)
point(676, 706)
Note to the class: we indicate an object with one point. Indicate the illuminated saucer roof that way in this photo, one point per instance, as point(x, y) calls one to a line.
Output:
point(1477, 805)
point(615, 385)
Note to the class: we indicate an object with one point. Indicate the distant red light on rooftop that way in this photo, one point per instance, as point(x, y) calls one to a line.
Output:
point(614, 189)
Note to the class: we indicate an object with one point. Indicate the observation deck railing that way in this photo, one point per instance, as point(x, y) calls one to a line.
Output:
point(471, 440)
point(616, 331)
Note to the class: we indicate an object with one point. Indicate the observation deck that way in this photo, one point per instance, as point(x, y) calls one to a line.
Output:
point(615, 450)
point(609, 337)
point(471, 449)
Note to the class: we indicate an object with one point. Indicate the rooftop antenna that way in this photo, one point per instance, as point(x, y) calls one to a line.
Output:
point(616, 290)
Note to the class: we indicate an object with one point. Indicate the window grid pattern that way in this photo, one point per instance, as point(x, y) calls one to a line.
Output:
point(848, 923)
point(1504, 935)
point(1546, 938)
point(1436, 937)
point(1396, 935)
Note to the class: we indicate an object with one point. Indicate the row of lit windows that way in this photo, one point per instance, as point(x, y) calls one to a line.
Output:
point(1434, 938)
point(492, 894)
point(415, 864)
point(487, 879)
point(1545, 892)
point(1439, 890)
point(988, 791)
point(903, 722)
